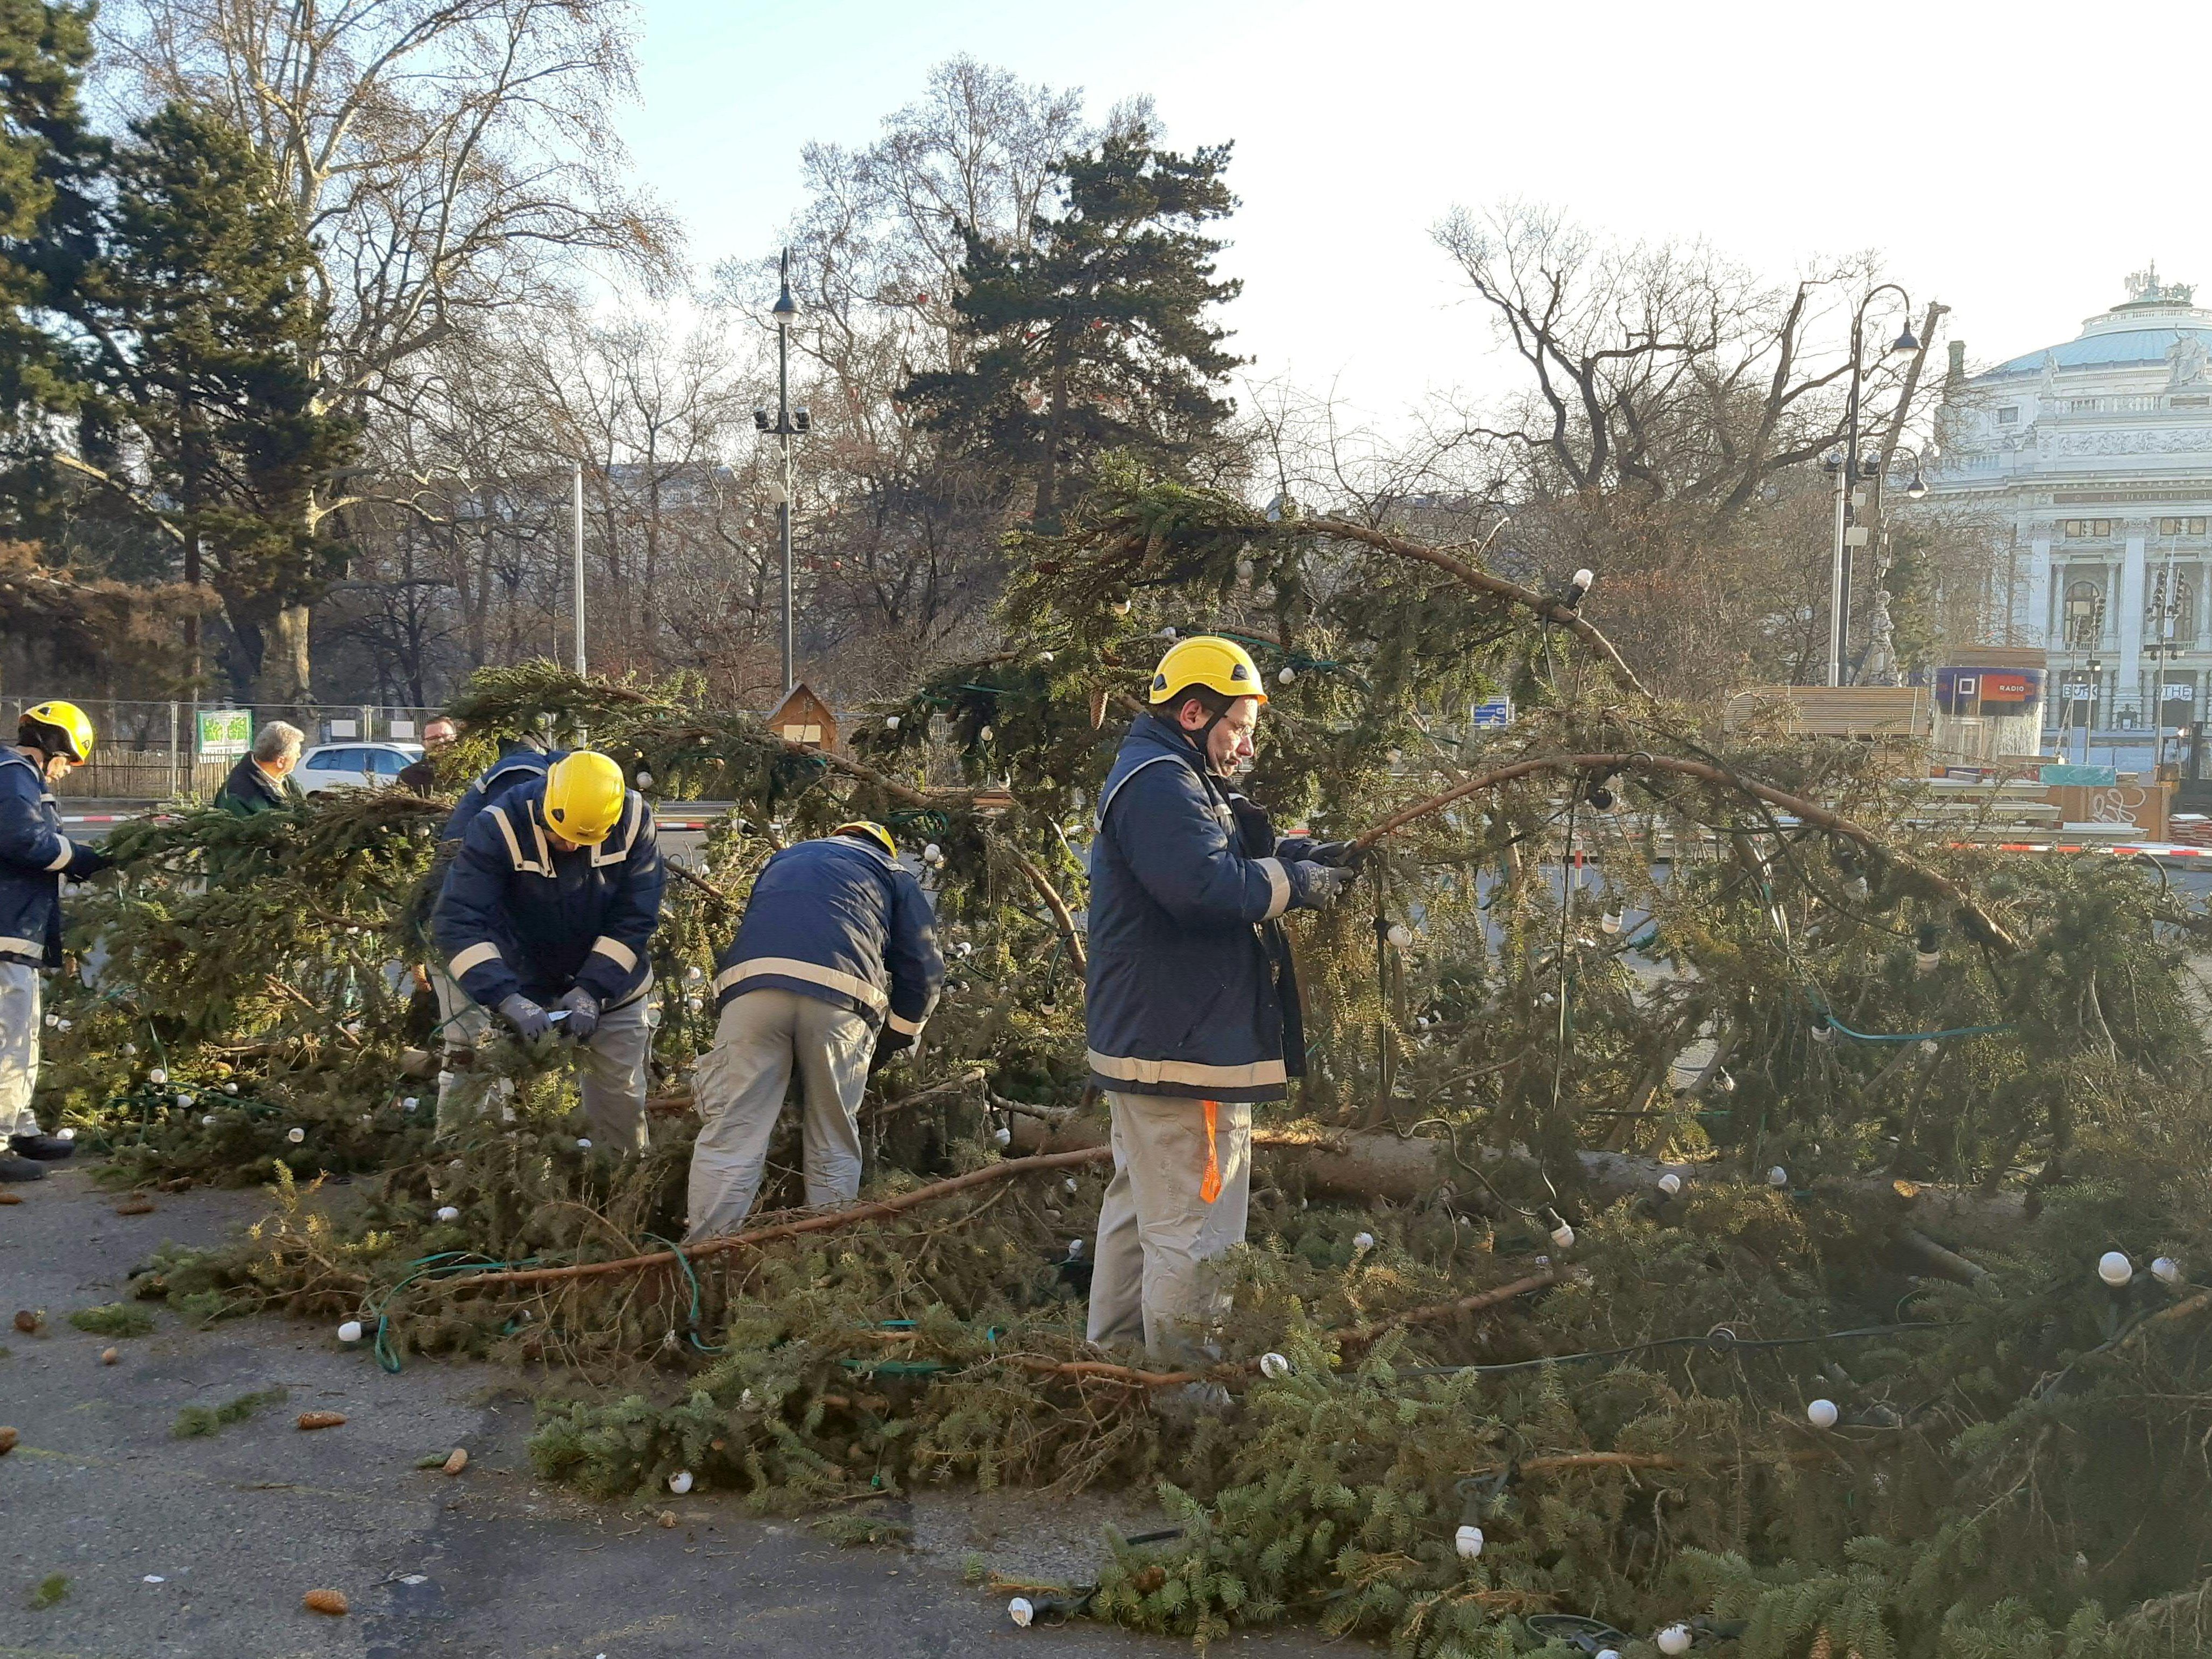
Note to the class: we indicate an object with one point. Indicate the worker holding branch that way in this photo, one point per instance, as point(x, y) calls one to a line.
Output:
point(35, 859)
point(1191, 1004)
point(545, 918)
point(835, 962)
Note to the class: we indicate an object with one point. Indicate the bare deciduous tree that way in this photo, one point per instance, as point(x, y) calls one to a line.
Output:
point(452, 161)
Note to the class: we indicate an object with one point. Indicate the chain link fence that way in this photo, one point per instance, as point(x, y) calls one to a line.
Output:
point(151, 751)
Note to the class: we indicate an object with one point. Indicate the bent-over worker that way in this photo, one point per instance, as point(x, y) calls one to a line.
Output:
point(837, 941)
point(35, 859)
point(552, 901)
point(1191, 1007)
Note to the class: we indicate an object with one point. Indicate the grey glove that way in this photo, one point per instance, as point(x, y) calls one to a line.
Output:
point(583, 1013)
point(1339, 855)
point(1324, 885)
point(526, 1017)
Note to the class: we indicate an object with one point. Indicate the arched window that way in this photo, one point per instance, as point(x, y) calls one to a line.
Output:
point(2085, 602)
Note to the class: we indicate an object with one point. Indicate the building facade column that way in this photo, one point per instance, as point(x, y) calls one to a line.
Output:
point(2041, 630)
point(2128, 686)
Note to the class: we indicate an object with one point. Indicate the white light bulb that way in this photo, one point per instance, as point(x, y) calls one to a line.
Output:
point(890, 722)
point(1584, 578)
point(295, 1135)
point(65, 1134)
point(230, 1088)
point(1003, 1135)
point(1363, 1240)
point(447, 1212)
point(583, 1144)
point(350, 1331)
point(1044, 656)
point(1778, 1176)
point(206, 1121)
point(1020, 1611)
point(1608, 1653)
point(1675, 1638)
point(2115, 1269)
point(157, 1076)
point(680, 1482)
point(1068, 1185)
point(1821, 1413)
point(62, 1024)
point(1670, 1184)
point(1274, 1365)
point(53, 1019)
point(1400, 935)
point(1074, 1249)
point(185, 1098)
point(1166, 633)
point(931, 853)
point(2165, 1270)
point(1286, 675)
point(1611, 921)
point(1467, 1541)
point(985, 735)
point(130, 1047)
point(1563, 1236)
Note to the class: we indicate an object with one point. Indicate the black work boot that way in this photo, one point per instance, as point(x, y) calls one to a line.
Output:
point(47, 1148)
point(13, 1168)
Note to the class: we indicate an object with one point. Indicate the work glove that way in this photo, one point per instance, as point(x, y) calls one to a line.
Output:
point(1339, 855)
point(526, 1017)
point(583, 1013)
point(889, 1046)
point(1324, 885)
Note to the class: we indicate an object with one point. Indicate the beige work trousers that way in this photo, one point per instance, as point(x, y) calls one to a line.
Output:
point(611, 1072)
point(738, 1088)
point(21, 1004)
point(1156, 1272)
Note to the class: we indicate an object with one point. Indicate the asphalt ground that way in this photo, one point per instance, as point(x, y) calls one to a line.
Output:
point(205, 1547)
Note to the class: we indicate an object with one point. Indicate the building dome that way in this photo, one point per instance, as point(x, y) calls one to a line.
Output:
point(2145, 328)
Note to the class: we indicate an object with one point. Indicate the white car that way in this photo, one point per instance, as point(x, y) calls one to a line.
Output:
point(354, 765)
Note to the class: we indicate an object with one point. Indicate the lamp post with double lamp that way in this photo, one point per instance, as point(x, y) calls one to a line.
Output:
point(788, 423)
point(1851, 469)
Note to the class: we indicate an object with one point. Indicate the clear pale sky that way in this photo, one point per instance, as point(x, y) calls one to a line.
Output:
point(2012, 160)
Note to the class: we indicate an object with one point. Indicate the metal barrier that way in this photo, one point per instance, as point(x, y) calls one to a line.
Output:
point(150, 751)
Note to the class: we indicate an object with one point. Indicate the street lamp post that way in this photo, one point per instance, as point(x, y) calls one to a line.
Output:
point(789, 423)
point(1849, 468)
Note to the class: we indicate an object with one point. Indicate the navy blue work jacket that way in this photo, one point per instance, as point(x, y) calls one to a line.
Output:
point(1191, 990)
point(36, 857)
point(841, 921)
point(518, 765)
point(517, 914)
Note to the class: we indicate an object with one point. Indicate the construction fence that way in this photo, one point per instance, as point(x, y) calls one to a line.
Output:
point(149, 751)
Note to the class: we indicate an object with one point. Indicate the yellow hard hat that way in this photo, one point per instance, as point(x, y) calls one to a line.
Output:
point(70, 720)
point(1219, 665)
point(871, 831)
point(584, 795)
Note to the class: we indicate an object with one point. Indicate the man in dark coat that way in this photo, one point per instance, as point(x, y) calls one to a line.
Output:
point(262, 781)
point(1191, 1006)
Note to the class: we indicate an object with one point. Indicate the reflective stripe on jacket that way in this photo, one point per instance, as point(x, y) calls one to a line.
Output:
point(36, 857)
point(1187, 993)
point(517, 914)
point(842, 921)
point(518, 765)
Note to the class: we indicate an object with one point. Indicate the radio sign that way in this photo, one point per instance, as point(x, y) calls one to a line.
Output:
point(1988, 691)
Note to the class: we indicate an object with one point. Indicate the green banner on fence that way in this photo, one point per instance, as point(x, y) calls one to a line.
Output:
point(225, 733)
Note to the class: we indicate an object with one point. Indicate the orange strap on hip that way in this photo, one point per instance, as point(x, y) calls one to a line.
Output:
point(1210, 1187)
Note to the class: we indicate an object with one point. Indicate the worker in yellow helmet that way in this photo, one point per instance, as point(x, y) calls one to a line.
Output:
point(35, 859)
point(1191, 1006)
point(546, 917)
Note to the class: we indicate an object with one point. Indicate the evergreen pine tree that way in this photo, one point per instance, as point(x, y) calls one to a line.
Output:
point(1093, 335)
point(206, 328)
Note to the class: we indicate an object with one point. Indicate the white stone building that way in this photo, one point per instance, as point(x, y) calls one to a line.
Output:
point(2095, 457)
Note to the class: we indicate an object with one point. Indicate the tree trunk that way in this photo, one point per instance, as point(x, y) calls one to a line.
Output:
point(283, 678)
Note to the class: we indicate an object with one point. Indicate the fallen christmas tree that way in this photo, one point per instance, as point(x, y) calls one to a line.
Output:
point(1692, 1212)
